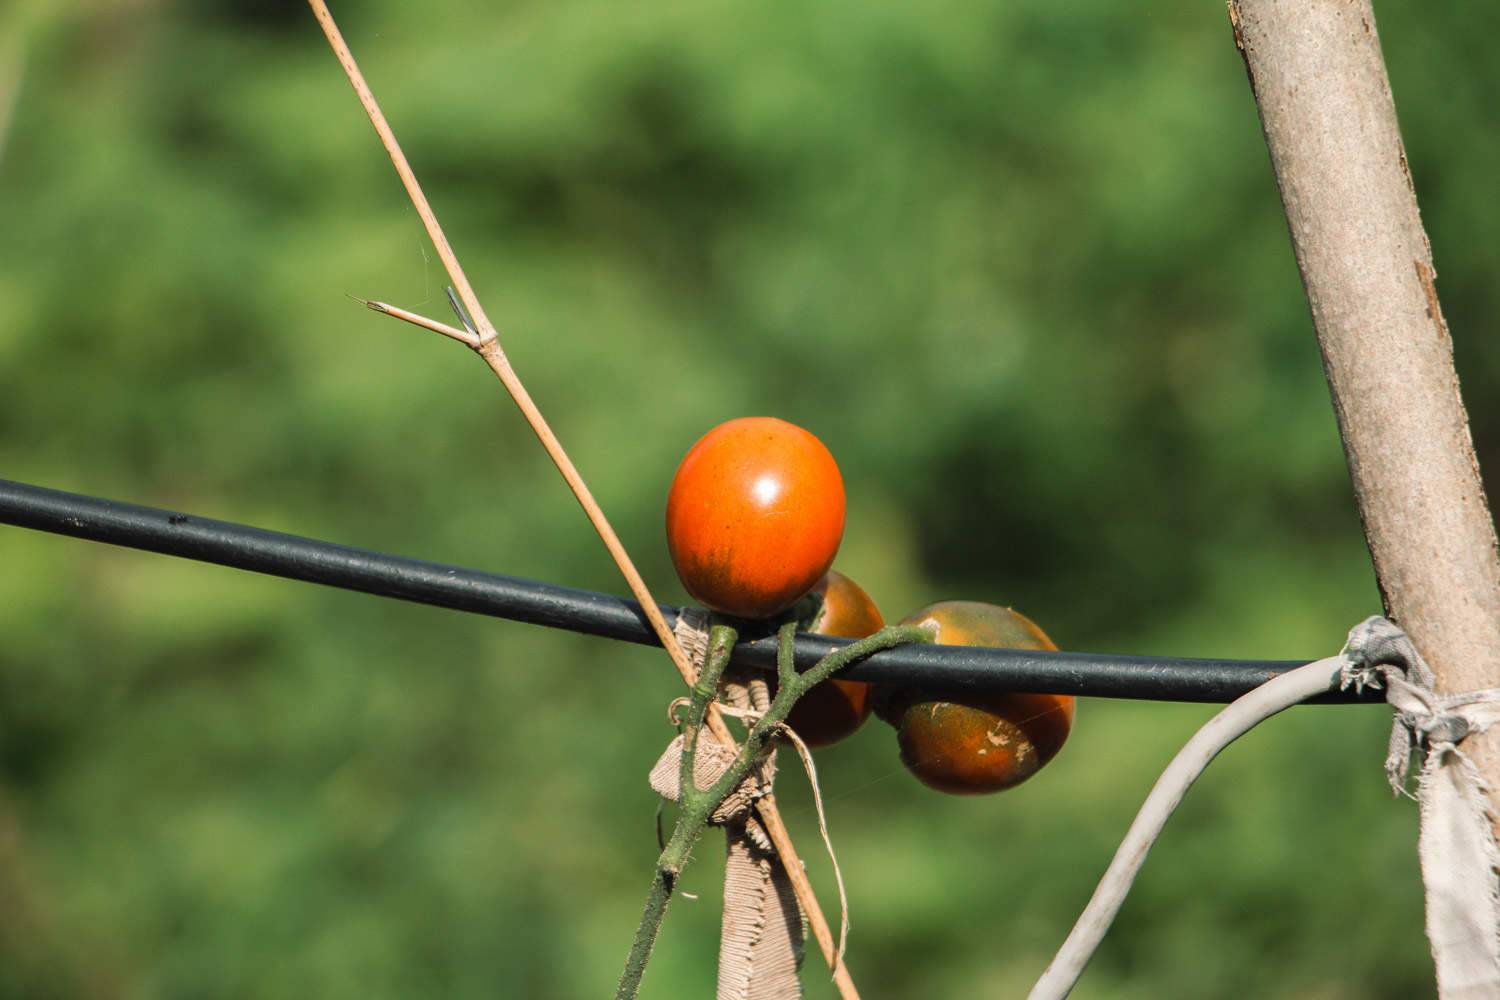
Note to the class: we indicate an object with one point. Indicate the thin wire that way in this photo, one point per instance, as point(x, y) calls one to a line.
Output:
point(953, 669)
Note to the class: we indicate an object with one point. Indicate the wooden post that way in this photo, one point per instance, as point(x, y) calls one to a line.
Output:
point(1330, 124)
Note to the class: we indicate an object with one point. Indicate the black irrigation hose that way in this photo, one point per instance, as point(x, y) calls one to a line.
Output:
point(958, 668)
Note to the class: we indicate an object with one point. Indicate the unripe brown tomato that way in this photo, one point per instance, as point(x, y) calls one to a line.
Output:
point(834, 709)
point(984, 743)
point(755, 516)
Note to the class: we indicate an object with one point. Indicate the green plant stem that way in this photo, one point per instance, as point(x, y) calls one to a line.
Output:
point(796, 685)
point(690, 824)
point(721, 640)
point(697, 805)
point(692, 817)
point(786, 663)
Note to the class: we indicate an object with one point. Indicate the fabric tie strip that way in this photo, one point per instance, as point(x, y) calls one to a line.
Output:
point(762, 937)
point(1457, 840)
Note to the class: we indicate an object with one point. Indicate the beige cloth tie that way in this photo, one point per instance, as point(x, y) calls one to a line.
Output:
point(1455, 843)
point(761, 941)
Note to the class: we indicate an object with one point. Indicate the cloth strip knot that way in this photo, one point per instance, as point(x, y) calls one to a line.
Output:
point(1456, 842)
point(710, 762)
point(762, 936)
point(745, 692)
point(1379, 655)
point(712, 758)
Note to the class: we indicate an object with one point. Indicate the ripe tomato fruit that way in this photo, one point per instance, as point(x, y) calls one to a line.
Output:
point(834, 709)
point(986, 743)
point(755, 516)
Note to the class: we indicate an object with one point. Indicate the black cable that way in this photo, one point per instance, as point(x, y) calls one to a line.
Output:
point(955, 668)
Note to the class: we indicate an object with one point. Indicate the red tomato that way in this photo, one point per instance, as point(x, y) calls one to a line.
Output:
point(755, 516)
point(834, 709)
point(986, 743)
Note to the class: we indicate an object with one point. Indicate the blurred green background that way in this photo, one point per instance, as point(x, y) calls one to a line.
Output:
point(1022, 266)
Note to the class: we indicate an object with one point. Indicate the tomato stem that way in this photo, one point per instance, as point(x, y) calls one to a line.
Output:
point(721, 640)
point(698, 804)
point(786, 663)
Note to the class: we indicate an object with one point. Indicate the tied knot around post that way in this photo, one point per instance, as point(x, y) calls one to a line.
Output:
point(1456, 841)
point(1380, 655)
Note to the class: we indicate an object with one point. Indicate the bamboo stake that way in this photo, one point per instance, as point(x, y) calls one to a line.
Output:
point(488, 347)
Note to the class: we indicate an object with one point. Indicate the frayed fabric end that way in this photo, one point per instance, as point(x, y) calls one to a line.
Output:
point(1457, 841)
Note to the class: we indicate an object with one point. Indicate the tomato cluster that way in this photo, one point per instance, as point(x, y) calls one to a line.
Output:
point(755, 516)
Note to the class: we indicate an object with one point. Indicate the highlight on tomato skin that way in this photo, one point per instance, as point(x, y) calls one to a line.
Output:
point(984, 743)
point(755, 516)
point(835, 709)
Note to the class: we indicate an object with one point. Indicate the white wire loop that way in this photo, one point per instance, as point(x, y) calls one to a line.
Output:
point(1456, 843)
point(1238, 718)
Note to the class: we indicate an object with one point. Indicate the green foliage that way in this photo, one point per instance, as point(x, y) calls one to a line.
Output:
point(1022, 267)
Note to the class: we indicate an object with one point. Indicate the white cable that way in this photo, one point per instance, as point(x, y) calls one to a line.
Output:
point(1281, 692)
